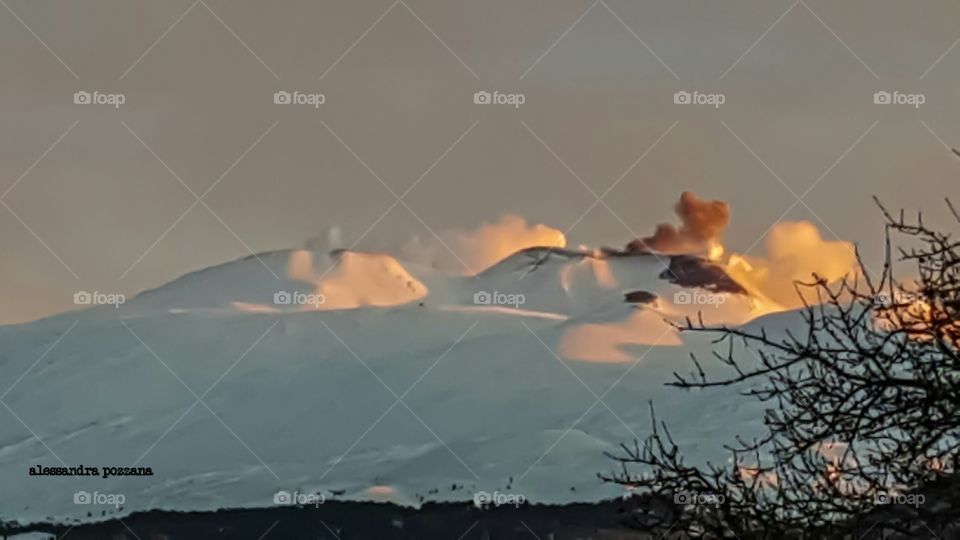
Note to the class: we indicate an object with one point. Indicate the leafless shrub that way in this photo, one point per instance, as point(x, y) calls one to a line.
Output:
point(862, 421)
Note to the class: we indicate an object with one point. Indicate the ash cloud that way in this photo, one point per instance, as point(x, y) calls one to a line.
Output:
point(701, 222)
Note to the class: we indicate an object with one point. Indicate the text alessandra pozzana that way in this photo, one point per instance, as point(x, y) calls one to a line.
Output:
point(80, 470)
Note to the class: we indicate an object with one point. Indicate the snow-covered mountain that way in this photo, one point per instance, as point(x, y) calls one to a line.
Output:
point(360, 377)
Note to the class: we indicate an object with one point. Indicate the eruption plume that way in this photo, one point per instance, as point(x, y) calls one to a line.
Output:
point(701, 224)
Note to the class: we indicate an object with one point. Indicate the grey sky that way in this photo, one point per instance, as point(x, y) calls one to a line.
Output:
point(799, 80)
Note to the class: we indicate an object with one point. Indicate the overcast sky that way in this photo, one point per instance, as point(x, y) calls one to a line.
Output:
point(92, 194)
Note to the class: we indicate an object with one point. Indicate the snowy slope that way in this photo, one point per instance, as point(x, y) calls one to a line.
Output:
point(426, 397)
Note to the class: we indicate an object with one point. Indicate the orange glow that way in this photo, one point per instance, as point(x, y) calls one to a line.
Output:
point(795, 251)
point(715, 251)
point(604, 342)
point(914, 316)
point(353, 280)
point(363, 279)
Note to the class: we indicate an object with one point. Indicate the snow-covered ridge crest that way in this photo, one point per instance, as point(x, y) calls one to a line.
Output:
point(549, 278)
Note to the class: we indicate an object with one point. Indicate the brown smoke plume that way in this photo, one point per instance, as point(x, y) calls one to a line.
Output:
point(701, 223)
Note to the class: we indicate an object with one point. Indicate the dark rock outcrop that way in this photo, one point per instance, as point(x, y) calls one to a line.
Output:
point(693, 271)
point(639, 297)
